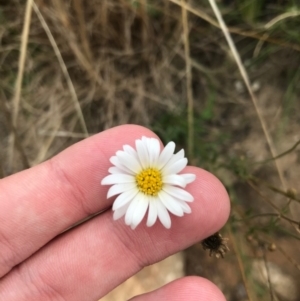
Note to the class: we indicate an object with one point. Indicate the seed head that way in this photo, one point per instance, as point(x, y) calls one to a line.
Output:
point(216, 244)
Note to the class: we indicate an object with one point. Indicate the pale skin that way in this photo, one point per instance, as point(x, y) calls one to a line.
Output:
point(87, 262)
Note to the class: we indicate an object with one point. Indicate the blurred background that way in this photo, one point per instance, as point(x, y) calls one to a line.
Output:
point(70, 69)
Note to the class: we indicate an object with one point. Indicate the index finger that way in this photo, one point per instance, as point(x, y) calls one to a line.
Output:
point(90, 260)
point(39, 203)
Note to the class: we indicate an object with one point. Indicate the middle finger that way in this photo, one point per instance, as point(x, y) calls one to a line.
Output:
point(87, 262)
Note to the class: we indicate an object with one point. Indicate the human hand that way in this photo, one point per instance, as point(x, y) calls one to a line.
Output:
point(85, 263)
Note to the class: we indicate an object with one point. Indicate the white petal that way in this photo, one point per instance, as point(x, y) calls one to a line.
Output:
point(116, 170)
point(174, 180)
point(115, 161)
point(147, 142)
point(142, 153)
point(166, 155)
point(176, 157)
point(140, 211)
point(130, 150)
point(189, 177)
point(119, 188)
point(148, 145)
point(130, 210)
point(163, 215)
point(170, 203)
point(174, 168)
point(124, 198)
point(129, 161)
point(144, 139)
point(185, 207)
point(155, 150)
point(152, 214)
point(120, 212)
point(180, 154)
point(178, 193)
point(118, 179)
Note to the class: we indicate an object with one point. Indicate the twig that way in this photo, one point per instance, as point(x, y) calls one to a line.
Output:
point(269, 25)
point(268, 274)
point(22, 58)
point(290, 194)
point(282, 154)
point(12, 129)
point(270, 214)
point(240, 263)
point(293, 222)
point(282, 17)
point(287, 194)
point(289, 258)
point(18, 85)
point(188, 68)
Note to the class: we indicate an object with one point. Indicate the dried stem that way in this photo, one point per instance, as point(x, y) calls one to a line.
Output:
point(248, 85)
point(18, 85)
point(236, 30)
point(268, 275)
point(240, 263)
point(188, 68)
point(63, 68)
point(82, 29)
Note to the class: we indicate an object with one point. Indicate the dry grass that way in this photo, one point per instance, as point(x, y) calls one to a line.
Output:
point(78, 69)
point(107, 65)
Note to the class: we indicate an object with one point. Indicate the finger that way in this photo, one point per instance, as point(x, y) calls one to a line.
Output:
point(188, 289)
point(89, 261)
point(39, 203)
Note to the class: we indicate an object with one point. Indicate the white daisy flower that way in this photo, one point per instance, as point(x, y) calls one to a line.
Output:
point(147, 178)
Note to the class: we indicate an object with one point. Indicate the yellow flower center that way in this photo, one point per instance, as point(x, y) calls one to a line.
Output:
point(149, 181)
